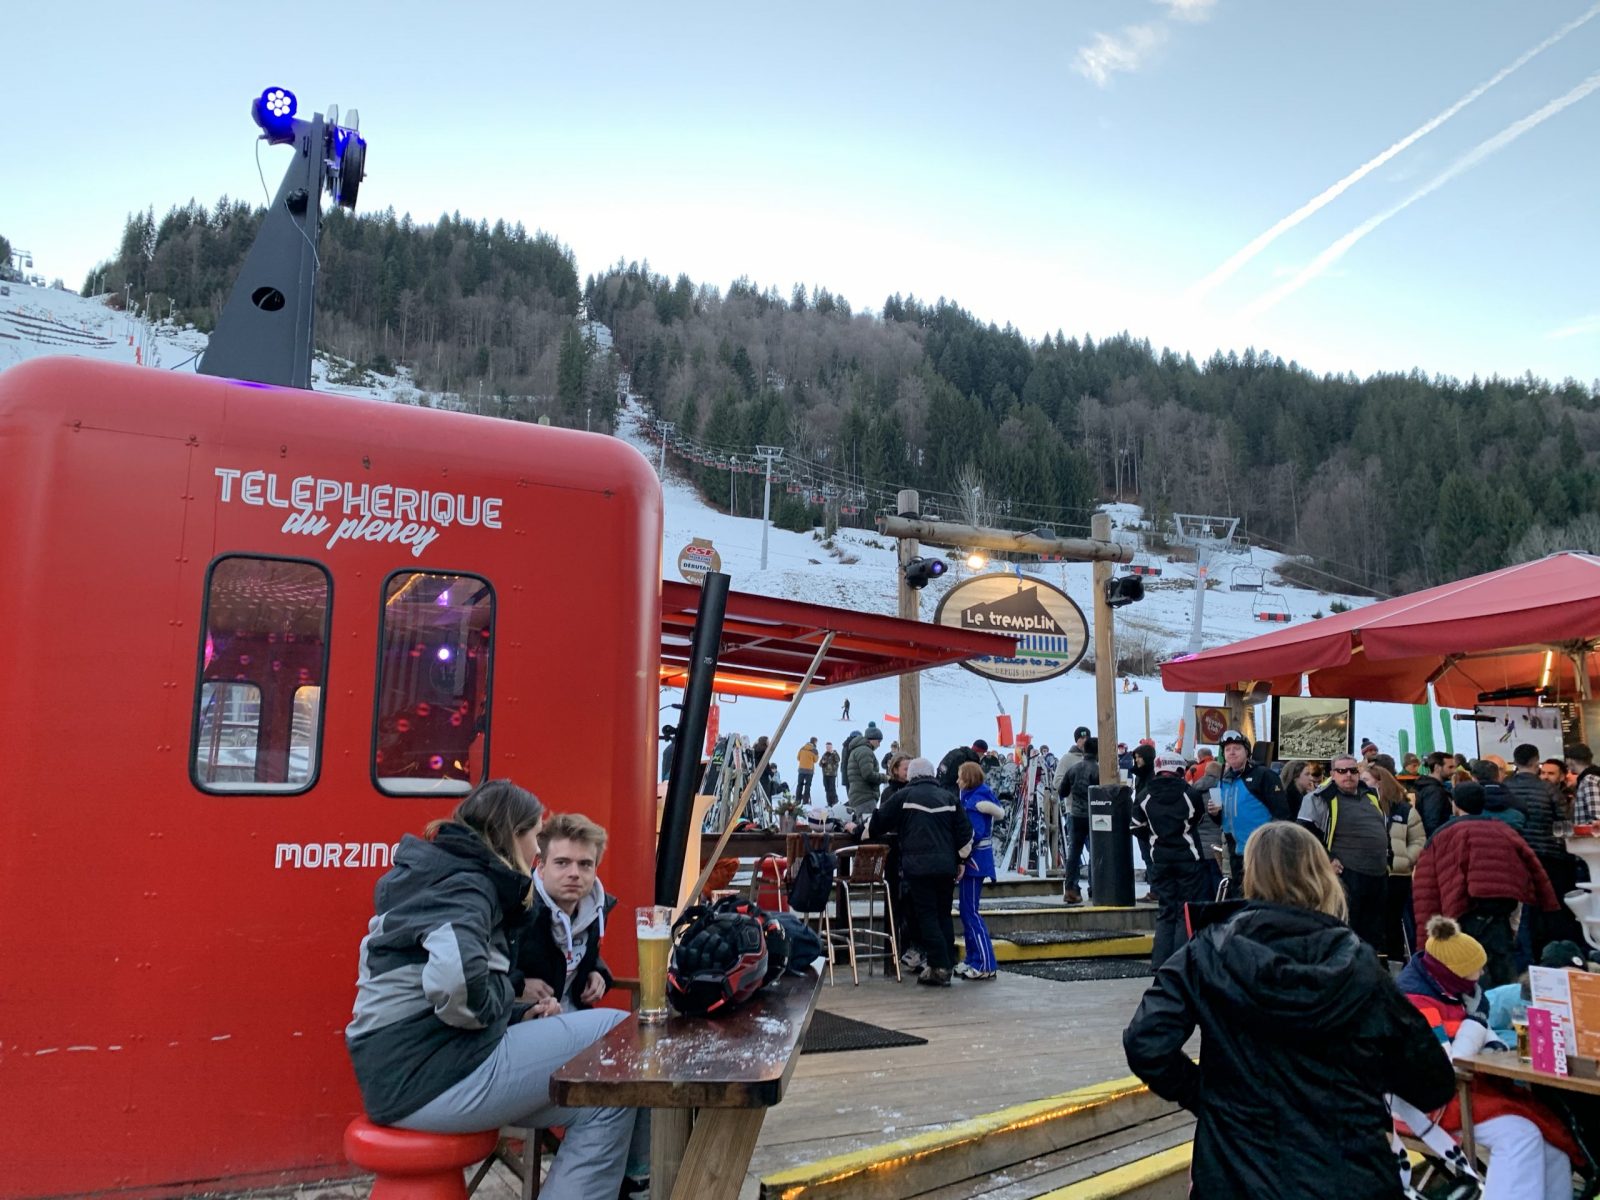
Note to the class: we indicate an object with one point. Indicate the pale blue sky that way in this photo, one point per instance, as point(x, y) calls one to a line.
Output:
point(1085, 165)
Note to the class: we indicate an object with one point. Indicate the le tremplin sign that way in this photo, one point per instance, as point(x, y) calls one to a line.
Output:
point(1051, 631)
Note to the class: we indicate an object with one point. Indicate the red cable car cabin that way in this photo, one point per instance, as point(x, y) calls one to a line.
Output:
point(257, 635)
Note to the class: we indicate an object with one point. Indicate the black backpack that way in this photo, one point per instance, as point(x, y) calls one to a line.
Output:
point(811, 875)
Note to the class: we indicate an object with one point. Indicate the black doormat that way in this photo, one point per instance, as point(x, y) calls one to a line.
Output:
point(830, 1033)
point(1083, 970)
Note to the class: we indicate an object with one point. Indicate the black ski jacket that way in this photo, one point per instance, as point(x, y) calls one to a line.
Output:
point(1302, 1034)
point(1433, 804)
point(950, 764)
point(1167, 815)
point(1538, 801)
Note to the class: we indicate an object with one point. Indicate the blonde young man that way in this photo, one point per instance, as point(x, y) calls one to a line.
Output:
point(558, 950)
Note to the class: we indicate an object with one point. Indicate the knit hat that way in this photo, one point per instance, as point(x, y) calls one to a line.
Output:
point(980, 745)
point(1170, 764)
point(1562, 954)
point(919, 768)
point(1469, 798)
point(1459, 953)
point(873, 733)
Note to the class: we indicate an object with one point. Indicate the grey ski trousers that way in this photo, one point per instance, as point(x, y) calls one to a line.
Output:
point(512, 1087)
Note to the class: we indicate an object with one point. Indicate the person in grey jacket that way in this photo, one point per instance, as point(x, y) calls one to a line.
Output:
point(862, 777)
point(438, 1039)
point(1078, 780)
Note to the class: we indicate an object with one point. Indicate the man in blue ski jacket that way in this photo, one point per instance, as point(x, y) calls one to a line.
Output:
point(1246, 797)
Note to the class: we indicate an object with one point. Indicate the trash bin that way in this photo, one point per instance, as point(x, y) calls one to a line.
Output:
point(1110, 845)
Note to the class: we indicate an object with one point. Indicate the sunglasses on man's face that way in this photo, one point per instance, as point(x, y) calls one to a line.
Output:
point(1347, 770)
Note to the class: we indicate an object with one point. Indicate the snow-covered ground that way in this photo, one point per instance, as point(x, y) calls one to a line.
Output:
point(957, 705)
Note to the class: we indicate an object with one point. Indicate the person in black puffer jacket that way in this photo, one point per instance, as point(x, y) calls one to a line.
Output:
point(438, 1039)
point(1166, 820)
point(1302, 1034)
point(1433, 795)
point(950, 764)
point(935, 836)
point(1543, 809)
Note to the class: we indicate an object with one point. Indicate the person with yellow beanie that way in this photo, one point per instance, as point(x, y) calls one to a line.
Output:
point(1531, 1153)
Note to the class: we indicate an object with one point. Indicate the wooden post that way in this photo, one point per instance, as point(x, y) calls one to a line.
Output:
point(1024, 728)
point(1234, 701)
point(1147, 718)
point(1105, 655)
point(910, 505)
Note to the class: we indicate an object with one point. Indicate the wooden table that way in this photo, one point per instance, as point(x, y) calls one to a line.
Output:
point(756, 844)
point(1506, 1066)
point(709, 1082)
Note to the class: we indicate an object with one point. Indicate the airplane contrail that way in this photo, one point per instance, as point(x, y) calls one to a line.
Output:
point(1260, 243)
point(1463, 164)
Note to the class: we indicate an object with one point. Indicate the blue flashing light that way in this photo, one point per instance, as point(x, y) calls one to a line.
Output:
point(278, 103)
point(274, 111)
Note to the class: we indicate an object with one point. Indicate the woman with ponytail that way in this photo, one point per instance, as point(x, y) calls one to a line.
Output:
point(438, 1039)
point(1530, 1151)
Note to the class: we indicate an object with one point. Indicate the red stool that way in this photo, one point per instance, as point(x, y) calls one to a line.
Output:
point(416, 1166)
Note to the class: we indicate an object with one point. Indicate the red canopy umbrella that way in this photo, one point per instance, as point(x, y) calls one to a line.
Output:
point(1533, 625)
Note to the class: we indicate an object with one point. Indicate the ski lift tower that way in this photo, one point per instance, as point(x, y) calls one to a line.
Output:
point(1211, 537)
point(771, 454)
point(264, 333)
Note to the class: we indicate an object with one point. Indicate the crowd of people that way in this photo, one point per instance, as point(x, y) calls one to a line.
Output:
point(1337, 931)
point(1335, 936)
point(1447, 870)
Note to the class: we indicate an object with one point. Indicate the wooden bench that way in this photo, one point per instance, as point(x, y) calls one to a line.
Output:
point(709, 1082)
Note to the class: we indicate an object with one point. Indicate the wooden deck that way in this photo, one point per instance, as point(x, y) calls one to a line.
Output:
point(990, 1044)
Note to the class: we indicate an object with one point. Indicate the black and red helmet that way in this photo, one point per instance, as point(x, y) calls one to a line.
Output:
point(722, 956)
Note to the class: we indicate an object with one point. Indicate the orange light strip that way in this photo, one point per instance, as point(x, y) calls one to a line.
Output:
point(679, 677)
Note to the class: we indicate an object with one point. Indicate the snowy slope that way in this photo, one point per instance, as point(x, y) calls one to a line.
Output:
point(957, 705)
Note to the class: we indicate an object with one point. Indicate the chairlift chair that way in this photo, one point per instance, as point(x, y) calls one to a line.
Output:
point(1247, 579)
point(1271, 606)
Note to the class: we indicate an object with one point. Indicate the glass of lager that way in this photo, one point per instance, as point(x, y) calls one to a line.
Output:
point(654, 926)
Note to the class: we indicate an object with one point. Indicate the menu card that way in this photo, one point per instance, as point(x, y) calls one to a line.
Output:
point(1550, 989)
point(1585, 990)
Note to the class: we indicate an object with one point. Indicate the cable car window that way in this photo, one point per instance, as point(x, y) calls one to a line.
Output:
point(431, 725)
point(263, 657)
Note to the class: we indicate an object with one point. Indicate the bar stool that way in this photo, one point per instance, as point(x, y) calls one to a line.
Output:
point(795, 846)
point(861, 872)
point(412, 1165)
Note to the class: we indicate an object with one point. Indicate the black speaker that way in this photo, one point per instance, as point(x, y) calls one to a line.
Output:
point(1261, 752)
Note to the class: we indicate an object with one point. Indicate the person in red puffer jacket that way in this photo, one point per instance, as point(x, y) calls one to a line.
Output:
point(1480, 871)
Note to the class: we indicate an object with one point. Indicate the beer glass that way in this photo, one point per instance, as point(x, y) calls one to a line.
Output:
point(653, 924)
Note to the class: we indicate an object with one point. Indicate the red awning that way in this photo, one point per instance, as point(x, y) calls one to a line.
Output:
point(768, 643)
point(1517, 627)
